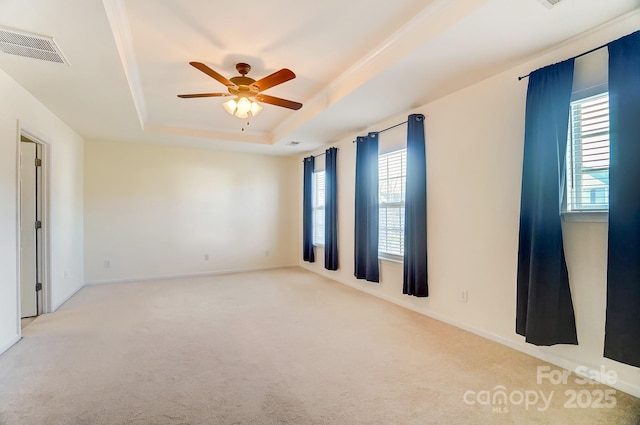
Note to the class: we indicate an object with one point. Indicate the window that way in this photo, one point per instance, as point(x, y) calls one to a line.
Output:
point(588, 155)
point(318, 207)
point(392, 174)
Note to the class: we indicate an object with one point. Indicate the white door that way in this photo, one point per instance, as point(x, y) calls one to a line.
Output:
point(28, 230)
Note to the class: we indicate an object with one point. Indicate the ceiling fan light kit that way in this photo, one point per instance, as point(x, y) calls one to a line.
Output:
point(242, 107)
point(246, 90)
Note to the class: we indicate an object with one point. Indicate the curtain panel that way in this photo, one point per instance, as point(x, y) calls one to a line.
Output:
point(331, 210)
point(366, 209)
point(544, 313)
point(415, 211)
point(622, 329)
point(307, 211)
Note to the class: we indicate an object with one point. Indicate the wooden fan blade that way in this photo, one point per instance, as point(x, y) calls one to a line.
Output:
point(211, 73)
point(274, 79)
point(279, 102)
point(189, 96)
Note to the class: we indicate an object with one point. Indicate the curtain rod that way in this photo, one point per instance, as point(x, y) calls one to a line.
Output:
point(386, 129)
point(575, 57)
point(320, 154)
point(393, 126)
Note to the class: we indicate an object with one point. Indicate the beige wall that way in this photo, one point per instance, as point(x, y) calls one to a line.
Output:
point(156, 211)
point(20, 110)
point(474, 163)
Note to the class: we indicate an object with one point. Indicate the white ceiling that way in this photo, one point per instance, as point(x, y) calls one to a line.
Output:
point(357, 62)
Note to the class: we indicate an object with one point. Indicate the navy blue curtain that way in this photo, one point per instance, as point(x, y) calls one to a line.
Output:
point(330, 210)
point(544, 314)
point(622, 330)
point(367, 215)
point(307, 211)
point(415, 211)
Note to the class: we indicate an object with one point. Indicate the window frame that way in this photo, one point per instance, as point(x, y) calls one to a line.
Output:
point(595, 215)
point(400, 205)
point(317, 207)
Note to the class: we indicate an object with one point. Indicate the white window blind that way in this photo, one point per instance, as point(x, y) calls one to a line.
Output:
point(318, 208)
point(588, 155)
point(392, 176)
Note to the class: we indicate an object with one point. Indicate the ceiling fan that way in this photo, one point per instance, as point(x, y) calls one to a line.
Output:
point(246, 91)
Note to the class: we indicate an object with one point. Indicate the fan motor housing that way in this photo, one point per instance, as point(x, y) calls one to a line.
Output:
point(244, 86)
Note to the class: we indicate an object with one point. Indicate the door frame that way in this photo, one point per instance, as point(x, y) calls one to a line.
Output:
point(44, 296)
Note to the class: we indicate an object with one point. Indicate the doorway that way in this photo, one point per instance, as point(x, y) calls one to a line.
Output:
point(31, 227)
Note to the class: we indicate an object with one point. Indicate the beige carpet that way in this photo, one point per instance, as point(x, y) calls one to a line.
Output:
point(277, 347)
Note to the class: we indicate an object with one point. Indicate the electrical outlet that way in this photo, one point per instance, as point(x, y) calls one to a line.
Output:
point(266, 253)
point(206, 257)
point(107, 264)
point(66, 274)
point(464, 296)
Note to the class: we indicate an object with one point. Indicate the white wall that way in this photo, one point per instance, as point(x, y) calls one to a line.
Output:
point(474, 143)
point(156, 211)
point(65, 150)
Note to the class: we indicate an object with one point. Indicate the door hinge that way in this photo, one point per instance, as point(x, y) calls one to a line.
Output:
point(38, 224)
point(39, 286)
point(38, 162)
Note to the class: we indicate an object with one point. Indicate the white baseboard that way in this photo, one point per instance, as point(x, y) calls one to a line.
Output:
point(9, 344)
point(186, 275)
point(61, 303)
point(523, 347)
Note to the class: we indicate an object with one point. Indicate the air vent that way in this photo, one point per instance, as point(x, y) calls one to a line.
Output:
point(549, 3)
point(34, 46)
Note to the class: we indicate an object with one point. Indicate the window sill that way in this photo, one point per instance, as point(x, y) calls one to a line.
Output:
point(586, 216)
point(321, 245)
point(391, 258)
